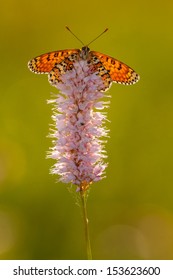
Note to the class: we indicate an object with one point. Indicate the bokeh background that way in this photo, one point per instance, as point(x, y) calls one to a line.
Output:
point(131, 211)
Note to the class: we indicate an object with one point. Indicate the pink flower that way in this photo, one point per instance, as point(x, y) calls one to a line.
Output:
point(79, 128)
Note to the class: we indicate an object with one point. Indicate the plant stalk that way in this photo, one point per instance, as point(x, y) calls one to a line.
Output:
point(86, 226)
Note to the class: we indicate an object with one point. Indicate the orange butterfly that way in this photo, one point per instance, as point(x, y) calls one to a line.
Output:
point(108, 68)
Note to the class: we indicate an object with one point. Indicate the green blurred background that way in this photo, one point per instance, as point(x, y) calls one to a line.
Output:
point(131, 211)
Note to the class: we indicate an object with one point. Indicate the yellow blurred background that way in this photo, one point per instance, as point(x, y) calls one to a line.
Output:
point(131, 211)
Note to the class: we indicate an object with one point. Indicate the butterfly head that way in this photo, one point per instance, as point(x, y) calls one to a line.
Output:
point(84, 52)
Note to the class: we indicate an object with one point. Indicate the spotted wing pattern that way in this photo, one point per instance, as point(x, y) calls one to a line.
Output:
point(46, 62)
point(58, 63)
point(113, 70)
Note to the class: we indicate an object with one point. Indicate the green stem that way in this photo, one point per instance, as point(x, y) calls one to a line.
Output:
point(86, 227)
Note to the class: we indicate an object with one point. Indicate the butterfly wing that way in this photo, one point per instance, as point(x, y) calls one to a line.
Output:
point(119, 72)
point(46, 62)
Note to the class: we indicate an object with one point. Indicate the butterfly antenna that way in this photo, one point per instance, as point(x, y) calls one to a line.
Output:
point(98, 36)
point(74, 35)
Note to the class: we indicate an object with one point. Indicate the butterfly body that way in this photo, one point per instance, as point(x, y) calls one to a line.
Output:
point(59, 62)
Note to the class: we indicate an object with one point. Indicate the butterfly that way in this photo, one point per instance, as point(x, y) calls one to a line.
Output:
point(57, 63)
